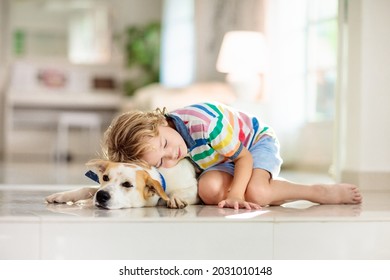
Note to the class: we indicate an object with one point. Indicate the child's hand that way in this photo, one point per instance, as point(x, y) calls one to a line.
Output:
point(238, 203)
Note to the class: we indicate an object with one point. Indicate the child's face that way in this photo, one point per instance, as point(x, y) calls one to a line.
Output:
point(167, 148)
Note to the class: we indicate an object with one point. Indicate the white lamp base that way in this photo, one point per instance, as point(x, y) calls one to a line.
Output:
point(247, 87)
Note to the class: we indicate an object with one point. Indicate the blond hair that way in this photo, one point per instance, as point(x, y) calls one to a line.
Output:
point(125, 140)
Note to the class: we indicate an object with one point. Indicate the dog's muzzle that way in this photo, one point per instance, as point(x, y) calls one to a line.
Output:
point(102, 197)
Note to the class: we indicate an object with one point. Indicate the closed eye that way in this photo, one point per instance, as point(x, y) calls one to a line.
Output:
point(165, 145)
point(127, 185)
point(161, 160)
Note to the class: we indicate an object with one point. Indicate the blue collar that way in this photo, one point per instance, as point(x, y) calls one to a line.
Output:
point(93, 176)
point(163, 184)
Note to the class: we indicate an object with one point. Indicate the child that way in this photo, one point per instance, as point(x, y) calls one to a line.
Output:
point(237, 154)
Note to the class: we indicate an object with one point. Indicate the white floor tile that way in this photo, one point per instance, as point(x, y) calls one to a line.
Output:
point(19, 240)
point(32, 229)
point(332, 240)
point(157, 240)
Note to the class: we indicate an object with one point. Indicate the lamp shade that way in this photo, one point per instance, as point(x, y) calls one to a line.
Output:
point(242, 52)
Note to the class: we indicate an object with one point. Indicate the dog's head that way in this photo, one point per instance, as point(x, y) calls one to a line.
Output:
point(126, 185)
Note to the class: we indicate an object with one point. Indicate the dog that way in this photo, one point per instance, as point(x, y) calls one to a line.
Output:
point(129, 185)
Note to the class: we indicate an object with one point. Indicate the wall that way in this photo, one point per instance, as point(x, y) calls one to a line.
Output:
point(364, 133)
point(40, 22)
point(133, 12)
point(215, 18)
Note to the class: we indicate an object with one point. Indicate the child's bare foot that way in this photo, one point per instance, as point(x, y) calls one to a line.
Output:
point(339, 194)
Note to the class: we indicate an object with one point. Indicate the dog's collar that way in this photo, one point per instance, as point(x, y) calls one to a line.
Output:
point(163, 184)
point(93, 176)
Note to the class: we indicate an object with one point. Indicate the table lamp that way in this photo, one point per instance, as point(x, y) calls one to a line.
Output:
point(242, 57)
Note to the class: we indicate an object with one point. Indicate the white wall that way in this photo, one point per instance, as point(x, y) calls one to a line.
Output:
point(213, 19)
point(364, 135)
point(36, 19)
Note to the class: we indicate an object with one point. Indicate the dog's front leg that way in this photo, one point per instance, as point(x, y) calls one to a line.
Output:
point(72, 196)
point(183, 197)
point(176, 203)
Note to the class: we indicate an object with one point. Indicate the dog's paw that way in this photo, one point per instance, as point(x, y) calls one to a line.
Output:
point(61, 197)
point(176, 203)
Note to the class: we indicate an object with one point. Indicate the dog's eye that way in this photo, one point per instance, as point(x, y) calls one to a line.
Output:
point(105, 178)
point(127, 185)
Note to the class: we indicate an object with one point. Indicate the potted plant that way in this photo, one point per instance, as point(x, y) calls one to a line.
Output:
point(142, 54)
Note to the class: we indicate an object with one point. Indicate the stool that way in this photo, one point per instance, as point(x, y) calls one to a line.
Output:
point(67, 120)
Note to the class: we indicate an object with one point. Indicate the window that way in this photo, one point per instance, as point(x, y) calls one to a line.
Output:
point(178, 45)
point(302, 46)
point(321, 59)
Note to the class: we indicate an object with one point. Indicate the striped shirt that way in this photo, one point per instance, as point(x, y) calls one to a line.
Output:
point(215, 133)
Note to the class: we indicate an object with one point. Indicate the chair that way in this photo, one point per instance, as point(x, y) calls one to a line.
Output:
point(67, 120)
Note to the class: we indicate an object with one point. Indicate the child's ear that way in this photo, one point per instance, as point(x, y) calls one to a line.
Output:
point(99, 165)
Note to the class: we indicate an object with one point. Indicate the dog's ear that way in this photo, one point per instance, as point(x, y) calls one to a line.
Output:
point(156, 186)
point(99, 165)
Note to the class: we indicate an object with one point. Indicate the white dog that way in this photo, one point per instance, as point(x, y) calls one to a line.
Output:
point(127, 185)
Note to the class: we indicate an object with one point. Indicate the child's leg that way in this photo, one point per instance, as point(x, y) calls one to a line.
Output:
point(265, 191)
point(213, 186)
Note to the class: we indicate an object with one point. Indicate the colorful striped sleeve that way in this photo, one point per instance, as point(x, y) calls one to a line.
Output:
point(223, 138)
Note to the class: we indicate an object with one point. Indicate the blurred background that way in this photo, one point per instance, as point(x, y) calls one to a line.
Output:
point(317, 71)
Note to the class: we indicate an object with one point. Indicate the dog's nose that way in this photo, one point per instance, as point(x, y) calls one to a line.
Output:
point(102, 197)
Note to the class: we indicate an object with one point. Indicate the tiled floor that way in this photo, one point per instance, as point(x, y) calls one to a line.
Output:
point(32, 229)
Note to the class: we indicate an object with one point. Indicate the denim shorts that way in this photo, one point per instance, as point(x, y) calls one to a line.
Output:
point(265, 154)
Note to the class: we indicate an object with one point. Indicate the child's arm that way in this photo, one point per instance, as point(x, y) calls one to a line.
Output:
point(242, 174)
